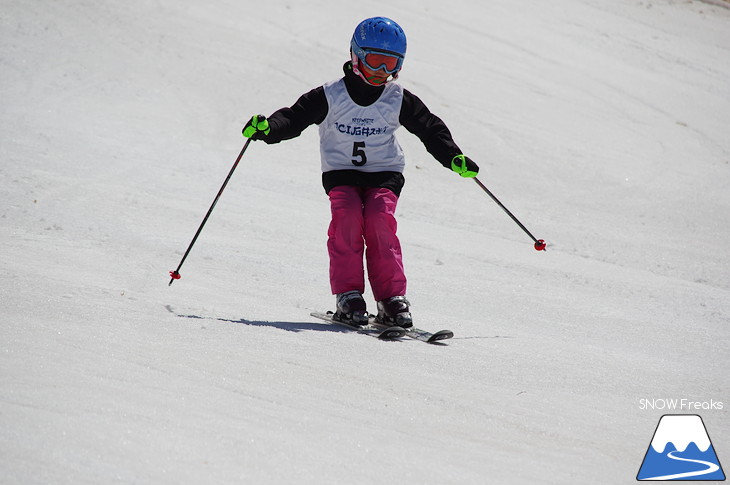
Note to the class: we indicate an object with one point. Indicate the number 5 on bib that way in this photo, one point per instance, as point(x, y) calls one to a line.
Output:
point(358, 150)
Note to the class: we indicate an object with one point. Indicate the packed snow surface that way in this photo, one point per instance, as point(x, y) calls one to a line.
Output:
point(603, 126)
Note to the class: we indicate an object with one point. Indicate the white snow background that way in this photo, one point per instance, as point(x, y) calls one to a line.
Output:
point(603, 126)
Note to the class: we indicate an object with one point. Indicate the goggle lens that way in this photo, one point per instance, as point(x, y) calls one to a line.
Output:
point(376, 61)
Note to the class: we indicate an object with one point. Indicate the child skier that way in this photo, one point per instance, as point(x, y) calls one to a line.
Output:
point(362, 166)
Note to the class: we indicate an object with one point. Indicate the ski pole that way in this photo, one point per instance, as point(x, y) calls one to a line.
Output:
point(175, 275)
point(539, 243)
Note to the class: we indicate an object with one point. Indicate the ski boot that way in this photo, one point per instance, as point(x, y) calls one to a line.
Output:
point(394, 311)
point(351, 308)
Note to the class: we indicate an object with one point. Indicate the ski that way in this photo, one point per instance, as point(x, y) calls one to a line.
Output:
point(420, 334)
point(381, 332)
point(429, 337)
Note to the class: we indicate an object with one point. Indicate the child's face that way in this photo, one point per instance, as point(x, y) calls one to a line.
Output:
point(375, 77)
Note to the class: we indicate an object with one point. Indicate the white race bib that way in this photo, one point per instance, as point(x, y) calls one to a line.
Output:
point(361, 137)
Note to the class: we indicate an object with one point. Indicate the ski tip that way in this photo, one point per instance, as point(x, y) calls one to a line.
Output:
point(392, 333)
point(441, 335)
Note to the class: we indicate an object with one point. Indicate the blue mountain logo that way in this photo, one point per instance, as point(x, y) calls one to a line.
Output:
point(681, 450)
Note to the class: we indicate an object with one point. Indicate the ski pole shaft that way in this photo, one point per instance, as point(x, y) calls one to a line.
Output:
point(175, 275)
point(539, 243)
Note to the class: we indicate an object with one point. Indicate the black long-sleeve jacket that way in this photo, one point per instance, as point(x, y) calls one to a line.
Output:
point(311, 108)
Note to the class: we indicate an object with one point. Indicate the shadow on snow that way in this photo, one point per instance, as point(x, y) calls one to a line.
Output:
point(304, 326)
point(288, 326)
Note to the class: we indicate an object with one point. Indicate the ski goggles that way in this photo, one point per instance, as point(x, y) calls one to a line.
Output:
point(376, 60)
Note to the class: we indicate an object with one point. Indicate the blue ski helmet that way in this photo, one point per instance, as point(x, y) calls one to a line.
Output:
point(382, 37)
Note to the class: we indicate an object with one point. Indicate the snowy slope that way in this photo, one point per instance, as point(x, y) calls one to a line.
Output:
point(602, 125)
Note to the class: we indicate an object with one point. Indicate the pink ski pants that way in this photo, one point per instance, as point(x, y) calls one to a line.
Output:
point(365, 218)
